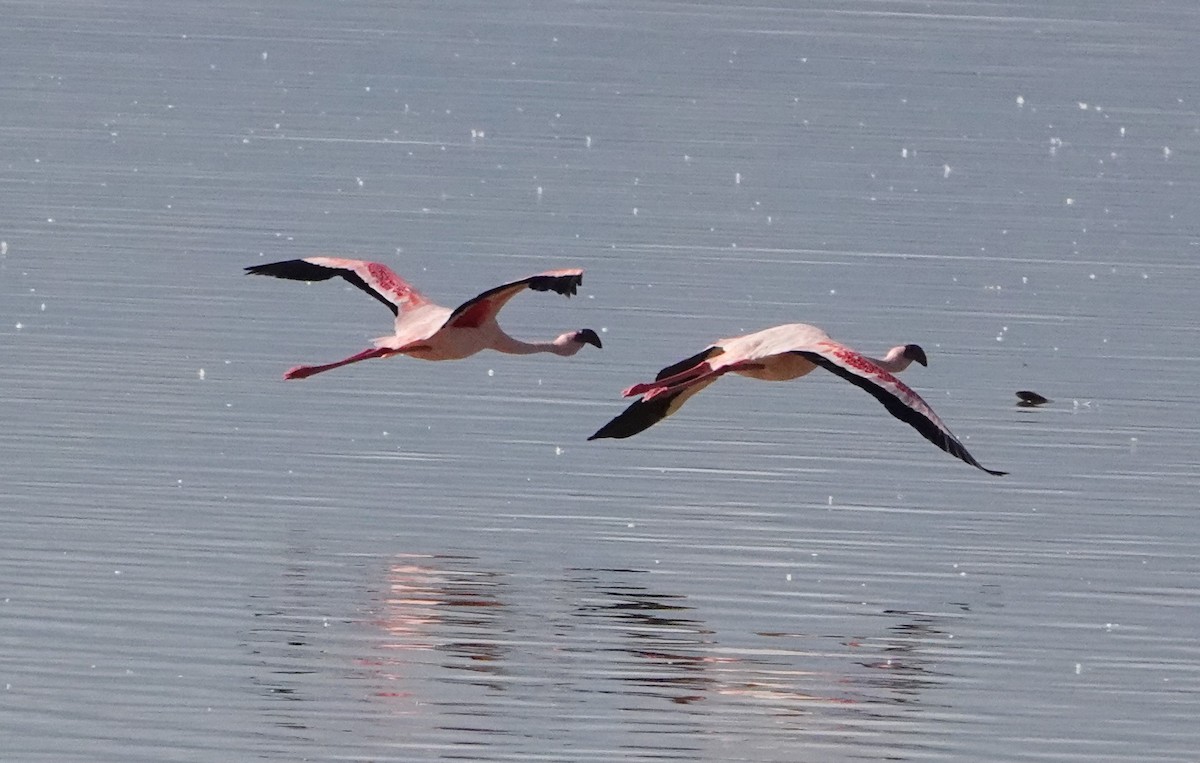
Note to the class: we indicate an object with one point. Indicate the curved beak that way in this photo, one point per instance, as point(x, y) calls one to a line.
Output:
point(914, 353)
point(587, 336)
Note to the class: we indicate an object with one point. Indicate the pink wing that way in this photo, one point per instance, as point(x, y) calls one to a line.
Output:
point(475, 312)
point(374, 278)
point(896, 396)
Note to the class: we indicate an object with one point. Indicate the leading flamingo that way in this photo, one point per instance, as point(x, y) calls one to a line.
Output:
point(783, 353)
point(427, 330)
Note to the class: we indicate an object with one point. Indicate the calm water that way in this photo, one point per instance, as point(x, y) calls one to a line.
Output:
point(411, 561)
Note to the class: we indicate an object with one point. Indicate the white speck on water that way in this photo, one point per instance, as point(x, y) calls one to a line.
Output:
point(201, 374)
point(491, 372)
point(1070, 202)
point(1083, 106)
point(904, 153)
point(1092, 276)
point(19, 326)
point(789, 577)
point(1021, 101)
point(945, 170)
point(1166, 152)
point(587, 141)
point(359, 181)
point(1122, 131)
point(264, 55)
point(3, 247)
point(1078, 668)
point(558, 451)
point(737, 178)
point(830, 503)
point(635, 211)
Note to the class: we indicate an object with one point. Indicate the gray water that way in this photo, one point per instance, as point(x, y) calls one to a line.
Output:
point(423, 561)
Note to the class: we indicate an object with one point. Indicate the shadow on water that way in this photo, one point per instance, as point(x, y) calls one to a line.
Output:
point(664, 648)
point(282, 644)
point(466, 659)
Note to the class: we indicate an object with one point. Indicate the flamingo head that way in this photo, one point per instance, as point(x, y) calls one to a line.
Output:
point(915, 353)
point(573, 341)
point(586, 336)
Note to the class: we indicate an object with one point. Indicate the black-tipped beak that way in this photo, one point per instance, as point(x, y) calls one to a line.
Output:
point(914, 353)
point(587, 336)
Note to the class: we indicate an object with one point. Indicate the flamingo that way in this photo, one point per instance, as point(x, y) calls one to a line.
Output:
point(783, 353)
point(427, 330)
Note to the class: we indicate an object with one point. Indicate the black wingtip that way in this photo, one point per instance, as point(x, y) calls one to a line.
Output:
point(294, 270)
point(567, 285)
point(638, 417)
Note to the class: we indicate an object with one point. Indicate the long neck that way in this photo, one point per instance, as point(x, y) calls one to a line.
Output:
point(894, 362)
point(513, 346)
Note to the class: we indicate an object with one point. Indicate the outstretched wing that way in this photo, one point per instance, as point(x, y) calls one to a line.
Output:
point(900, 400)
point(686, 363)
point(474, 312)
point(374, 278)
point(643, 414)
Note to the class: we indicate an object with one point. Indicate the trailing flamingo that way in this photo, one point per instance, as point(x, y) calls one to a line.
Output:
point(783, 353)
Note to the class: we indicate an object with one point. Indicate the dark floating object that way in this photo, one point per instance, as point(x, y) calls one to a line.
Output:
point(1031, 399)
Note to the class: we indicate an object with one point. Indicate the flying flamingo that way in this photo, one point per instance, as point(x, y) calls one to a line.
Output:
point(783, 353)
point(424, 329)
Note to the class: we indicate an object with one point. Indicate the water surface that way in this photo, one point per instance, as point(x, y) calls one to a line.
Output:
point(413, 561)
